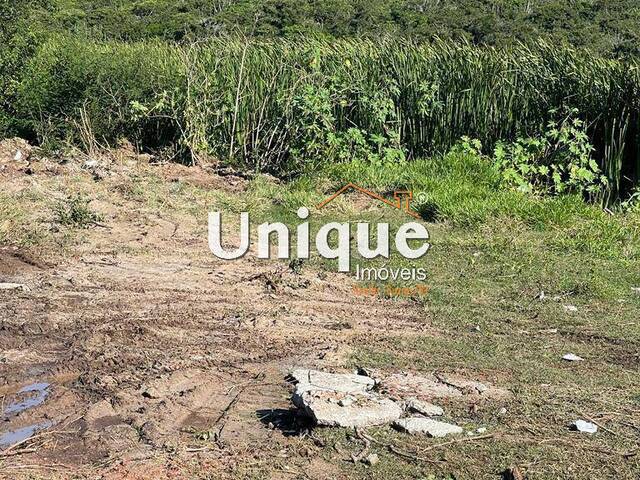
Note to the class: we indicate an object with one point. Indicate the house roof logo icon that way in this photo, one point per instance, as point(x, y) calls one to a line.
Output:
point(402, 199)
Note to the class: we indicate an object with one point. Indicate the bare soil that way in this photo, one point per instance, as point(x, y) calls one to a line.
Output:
point(163, 361)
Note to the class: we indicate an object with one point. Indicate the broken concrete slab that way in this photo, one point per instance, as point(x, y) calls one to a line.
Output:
point(341, 399)
point(325, 408)
point(462, 384)
point(408, 385)
point(337, 382)
point(426, 409)
point(426, 426)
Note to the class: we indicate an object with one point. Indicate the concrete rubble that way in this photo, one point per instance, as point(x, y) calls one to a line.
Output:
point(426, 426)
point(342, 400)
point(424, 408)
point(352, 400)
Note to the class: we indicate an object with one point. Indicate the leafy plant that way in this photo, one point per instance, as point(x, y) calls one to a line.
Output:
point(558, 161)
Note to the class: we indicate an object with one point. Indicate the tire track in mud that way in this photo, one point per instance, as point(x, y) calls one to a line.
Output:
point(155, 350)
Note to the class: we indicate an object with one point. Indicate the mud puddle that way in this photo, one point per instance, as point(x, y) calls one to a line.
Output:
point(27, 397)
point(15, 436)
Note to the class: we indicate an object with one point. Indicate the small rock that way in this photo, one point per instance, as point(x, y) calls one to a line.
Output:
point(502, 411)
point(584, 426)
point(18, 156)
point(481, 430)
point(371, 459)
point(572, 357)
point(636, 290)
point(345, 402)
point(14, 286)
point(426, 426)
point(570, 308)
point(426, 409)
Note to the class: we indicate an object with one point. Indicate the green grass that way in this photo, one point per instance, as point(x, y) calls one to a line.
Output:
point(494, 251)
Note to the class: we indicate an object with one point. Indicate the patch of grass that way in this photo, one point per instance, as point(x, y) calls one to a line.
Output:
point(75, 212)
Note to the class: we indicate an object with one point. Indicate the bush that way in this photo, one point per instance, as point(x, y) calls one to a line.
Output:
point(75, 212)
point(557, 161)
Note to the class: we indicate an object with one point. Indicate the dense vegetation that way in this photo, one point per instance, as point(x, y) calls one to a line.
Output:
point(609, 27)
point(551, 117)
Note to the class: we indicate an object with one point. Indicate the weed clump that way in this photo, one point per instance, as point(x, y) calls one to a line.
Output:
point(75, 212)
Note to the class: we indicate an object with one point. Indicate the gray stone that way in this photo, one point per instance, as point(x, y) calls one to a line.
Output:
point(426, 409)
point(426, 426)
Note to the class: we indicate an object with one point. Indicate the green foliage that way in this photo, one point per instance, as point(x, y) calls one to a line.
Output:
point(557, 161)
point(609, 27)
point(286, 106)
point(75, 212)
point(465, 190)
point(318, 136)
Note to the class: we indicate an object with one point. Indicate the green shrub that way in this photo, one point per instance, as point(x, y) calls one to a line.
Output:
point(558, 161)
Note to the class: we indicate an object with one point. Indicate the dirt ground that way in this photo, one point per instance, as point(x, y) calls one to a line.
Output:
point(163, 361)
point(133, 353)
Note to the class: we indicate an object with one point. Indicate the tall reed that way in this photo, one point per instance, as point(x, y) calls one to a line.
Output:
point(260, 104)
